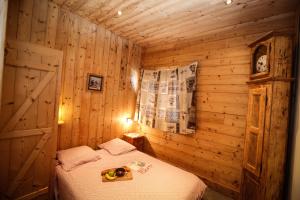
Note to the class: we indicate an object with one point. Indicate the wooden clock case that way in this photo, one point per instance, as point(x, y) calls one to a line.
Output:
point(267, 121)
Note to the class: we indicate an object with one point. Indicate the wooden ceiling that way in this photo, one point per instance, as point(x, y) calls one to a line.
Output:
point(155, 22)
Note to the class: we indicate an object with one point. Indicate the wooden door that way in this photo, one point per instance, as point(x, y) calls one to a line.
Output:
point(28, 119)
point(250, 189)
point(255, 129)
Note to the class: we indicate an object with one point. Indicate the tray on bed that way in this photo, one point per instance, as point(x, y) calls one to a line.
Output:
point(126, 177)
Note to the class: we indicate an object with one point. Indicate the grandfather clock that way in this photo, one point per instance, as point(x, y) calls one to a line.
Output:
point(267, 118)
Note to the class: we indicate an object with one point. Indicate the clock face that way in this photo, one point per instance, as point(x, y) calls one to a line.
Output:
point(259, 59)
point(261, 64)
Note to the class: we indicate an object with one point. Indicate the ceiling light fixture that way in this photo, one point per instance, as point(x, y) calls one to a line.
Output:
point(119, 12)
point(227, 2)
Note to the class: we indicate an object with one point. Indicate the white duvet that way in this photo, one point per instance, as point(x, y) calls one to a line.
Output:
point(161, 182)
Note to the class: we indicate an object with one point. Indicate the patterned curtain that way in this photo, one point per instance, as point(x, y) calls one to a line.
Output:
point(167, 101)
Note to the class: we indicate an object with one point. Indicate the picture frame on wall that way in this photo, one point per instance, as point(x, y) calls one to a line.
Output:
point(94, 82)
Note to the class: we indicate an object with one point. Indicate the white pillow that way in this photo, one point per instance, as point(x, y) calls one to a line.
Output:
point(70, 158)
point(117, 146)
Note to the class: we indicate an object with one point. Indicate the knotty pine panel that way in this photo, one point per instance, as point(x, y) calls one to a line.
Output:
point(90, 117)
point(215, 151)
point(165, 22)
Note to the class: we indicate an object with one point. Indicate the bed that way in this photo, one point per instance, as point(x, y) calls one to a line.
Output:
point(161, 181)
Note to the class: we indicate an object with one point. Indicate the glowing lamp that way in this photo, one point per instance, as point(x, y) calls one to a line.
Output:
point(60, 115)
point(227, 2)
point(128, 121)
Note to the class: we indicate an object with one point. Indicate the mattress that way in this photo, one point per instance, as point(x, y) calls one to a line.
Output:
point(161, 181)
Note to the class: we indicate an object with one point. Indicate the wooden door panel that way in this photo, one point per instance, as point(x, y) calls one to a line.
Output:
point(46, 104)
point(255, 110)
point(27, 164)
point(28, 130)
point(30, 100)
point(250, 188)
point(252, 149)
point(255, 130)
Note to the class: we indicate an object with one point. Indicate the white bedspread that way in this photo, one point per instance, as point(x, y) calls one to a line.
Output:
point(161, 182)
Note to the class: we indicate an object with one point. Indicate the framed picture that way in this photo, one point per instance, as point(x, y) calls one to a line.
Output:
point(94, 82)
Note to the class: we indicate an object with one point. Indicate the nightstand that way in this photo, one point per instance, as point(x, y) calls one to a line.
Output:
point(135, 139)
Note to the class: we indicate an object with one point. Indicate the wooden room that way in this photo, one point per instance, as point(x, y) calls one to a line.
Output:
point(149, 99)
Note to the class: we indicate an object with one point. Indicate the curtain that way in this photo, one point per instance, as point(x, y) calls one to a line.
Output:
point(166, 99)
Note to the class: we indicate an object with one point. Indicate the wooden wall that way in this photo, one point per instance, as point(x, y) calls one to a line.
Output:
point(93, 117)
point(90, 117)
point(215, 152)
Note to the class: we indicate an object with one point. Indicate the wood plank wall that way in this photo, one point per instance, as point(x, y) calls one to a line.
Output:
point(215, 152)
point(90, 117)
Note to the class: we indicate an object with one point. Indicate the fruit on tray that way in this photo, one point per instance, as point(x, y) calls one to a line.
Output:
point(114, 173)
point(120, 172)
point(110, 175)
